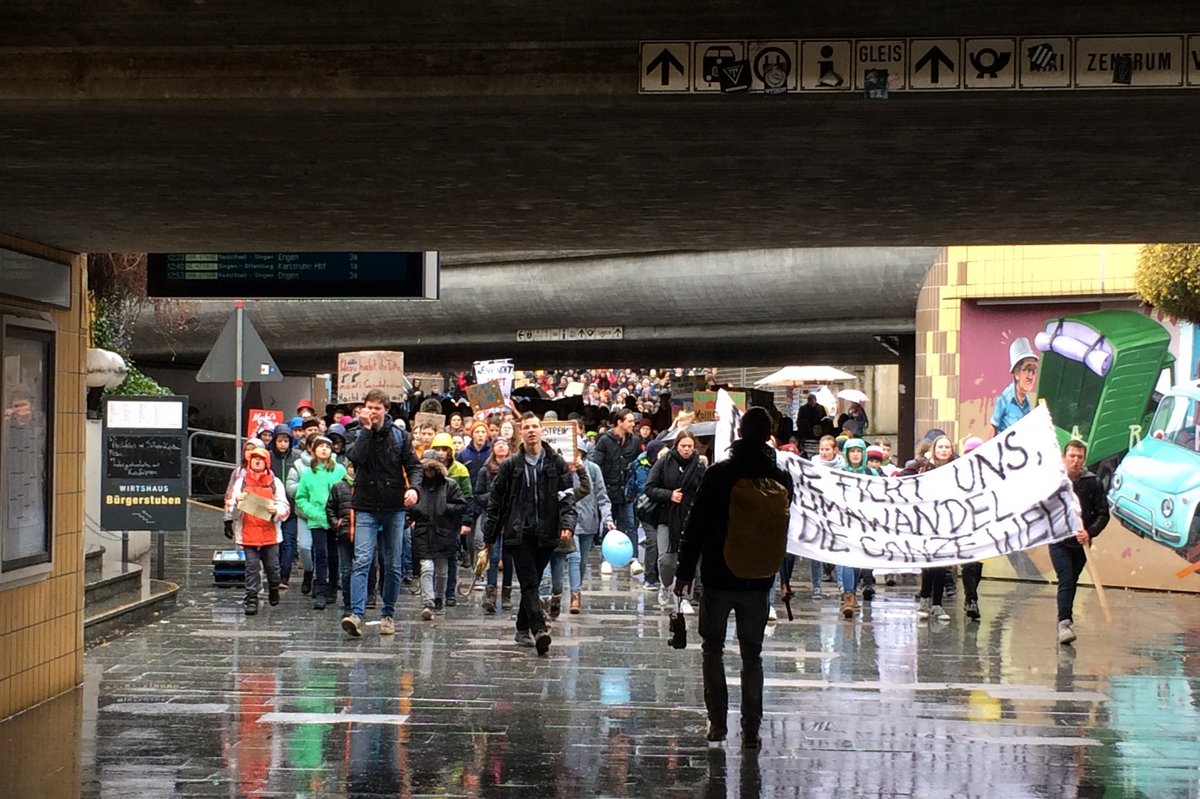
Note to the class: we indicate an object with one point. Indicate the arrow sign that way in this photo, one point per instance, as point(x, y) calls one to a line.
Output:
point(664, 61)
point(935, 59)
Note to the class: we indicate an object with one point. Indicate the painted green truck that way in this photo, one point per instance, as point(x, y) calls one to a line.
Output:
point(1098, 376)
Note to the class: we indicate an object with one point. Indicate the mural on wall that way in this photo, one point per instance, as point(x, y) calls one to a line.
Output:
point(1102, 372)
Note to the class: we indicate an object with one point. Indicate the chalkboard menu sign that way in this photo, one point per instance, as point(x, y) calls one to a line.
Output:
point(143, 485)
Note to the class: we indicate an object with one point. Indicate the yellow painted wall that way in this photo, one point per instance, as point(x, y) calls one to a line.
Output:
point(41, 624)
point(1033, 272)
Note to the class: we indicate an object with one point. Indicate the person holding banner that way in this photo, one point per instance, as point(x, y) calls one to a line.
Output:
point(934, 579)
point(1068, 555)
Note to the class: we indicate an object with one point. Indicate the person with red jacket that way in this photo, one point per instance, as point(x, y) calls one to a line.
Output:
point(259, 536)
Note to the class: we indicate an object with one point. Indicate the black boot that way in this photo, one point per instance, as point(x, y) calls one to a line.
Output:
point(306, 586)
point(251, 604)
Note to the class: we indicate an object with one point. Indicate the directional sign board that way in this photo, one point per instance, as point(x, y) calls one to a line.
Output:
point(608, 333)
point(144, 444)
point(827, 66)
point(1150, 61)
point(666, 67)
point(965, 63)
point(710, 58)
point(774, 66)
point(1193, 61)
point(934, 64)
point(293, 275)
point(989, 63)
point(1044, 62)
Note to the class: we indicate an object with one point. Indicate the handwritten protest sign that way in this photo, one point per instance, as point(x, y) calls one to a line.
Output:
point(428, 382)
point(704, 404)
point(1010, 494)
point(499, 370)
point(485, 396)
point(438, 421)
point(562, 437)
point(360, 372)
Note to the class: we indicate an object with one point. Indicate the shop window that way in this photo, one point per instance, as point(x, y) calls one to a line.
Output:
point(26, 449)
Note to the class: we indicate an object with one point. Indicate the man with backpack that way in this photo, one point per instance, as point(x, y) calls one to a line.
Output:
point(739, 524)
point(387, 475)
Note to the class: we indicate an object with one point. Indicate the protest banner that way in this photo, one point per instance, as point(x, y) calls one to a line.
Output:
point(438, 421)
point(1010, 494)
point(259, 415)
point(574, 389)
point(500, 370)
point(562, 437)
point(729, 417)
point(360, 372)
point(485, 396)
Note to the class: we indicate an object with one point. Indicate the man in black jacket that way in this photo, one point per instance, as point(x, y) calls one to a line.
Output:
point(1068, 556)
point(387, 475)
point(704, 534)
point(532, 506)
point(615, 453)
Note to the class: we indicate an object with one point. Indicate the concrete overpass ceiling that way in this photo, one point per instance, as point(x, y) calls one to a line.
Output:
point(507, 127)
point(724, 308)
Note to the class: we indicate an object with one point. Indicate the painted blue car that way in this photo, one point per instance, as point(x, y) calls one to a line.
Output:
point(1156, 489)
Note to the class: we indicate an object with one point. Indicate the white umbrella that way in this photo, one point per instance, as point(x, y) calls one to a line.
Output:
point(852, 395)
point(795, 376)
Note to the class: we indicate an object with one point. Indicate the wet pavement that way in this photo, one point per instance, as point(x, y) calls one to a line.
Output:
point(208, 702)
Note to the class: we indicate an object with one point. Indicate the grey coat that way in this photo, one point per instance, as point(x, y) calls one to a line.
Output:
point(594, 508)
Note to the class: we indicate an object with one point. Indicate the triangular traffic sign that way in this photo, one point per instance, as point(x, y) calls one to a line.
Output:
point(221, 364)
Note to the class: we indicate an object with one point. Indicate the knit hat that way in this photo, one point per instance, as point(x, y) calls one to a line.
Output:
point(874, 453)
point(478, 423)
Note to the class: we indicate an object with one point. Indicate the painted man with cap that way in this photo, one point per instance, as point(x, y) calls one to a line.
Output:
point(1013, 404)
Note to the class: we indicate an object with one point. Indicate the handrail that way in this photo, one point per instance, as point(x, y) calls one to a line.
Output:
point(196, 461)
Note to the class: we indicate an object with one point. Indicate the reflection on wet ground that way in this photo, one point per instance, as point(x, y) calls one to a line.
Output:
point(208, 702)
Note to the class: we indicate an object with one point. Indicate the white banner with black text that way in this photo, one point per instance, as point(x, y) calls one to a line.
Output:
point(1010, 494)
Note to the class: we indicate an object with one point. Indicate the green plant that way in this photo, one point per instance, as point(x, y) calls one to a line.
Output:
point(116, 298)
point(1168, 278)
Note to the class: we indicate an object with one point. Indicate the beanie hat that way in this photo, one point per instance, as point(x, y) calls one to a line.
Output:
point(296, 422)
point(874, 453)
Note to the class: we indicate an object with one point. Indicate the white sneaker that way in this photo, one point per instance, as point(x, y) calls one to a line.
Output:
point(771, 614)
point(605, 568)
point(686, 608)
point(664, 597)
point(636, 568)
point(923, 608)
point(940, 614)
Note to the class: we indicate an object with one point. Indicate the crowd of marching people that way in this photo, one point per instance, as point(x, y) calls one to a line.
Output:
point(364, 504)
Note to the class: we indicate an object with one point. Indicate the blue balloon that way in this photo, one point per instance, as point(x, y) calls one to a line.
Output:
point(617, 549)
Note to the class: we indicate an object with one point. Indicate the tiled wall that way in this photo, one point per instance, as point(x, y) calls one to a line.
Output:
point(41, 624)
point(1033, 271)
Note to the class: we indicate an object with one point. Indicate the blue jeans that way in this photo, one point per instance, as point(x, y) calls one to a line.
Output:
point(577, 560)
point(847, 578)
point(817, 568)
point(387, 531)
point(499, 551)
point(287, 550)
point(556, 567)
point(406, 558)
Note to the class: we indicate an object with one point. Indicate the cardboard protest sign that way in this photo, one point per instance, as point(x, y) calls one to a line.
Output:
point(704, 404)
point(562, 437)
point(257, 416)
point(438, 421)
point(428, 382)
point(485, 396)
point(260, 507)
point(360, 372)
point(1010, 494)
point(499, 370)
point(574, 389)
